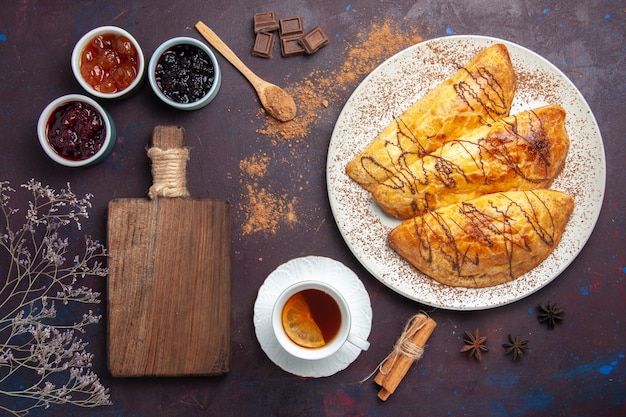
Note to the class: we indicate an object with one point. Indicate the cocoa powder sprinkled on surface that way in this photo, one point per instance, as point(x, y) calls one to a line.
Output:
point(315, 96)
point(324, 87)
point(264, 209)
point(254, 166)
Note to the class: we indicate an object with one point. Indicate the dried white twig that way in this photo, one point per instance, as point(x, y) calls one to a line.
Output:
point(37, 344)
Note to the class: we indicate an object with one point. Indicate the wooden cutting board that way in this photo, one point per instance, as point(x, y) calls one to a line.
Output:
point(169, 282)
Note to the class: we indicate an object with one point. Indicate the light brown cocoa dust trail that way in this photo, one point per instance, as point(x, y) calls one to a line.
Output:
point(264, 210)
point(325, 87)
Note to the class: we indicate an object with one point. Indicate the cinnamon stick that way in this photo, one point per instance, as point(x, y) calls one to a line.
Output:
point(408, 349)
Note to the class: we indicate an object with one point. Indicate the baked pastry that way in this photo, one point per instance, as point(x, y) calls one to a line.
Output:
point(521, 152)
point(479, 93)
point(486, 241)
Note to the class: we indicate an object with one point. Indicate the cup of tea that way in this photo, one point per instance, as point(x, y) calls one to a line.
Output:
point(311, 320)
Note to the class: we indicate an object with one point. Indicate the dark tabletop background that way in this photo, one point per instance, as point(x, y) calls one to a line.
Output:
point(578, 369)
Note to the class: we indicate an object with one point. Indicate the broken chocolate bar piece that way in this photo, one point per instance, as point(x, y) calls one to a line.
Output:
point(290, 46)
point(314, 40)
point(265, 22)
point(291, 26)
point(263, 45)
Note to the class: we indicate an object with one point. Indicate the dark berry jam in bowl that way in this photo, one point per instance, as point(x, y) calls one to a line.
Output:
point(108, 62)
point(74, 130)
point(184, 73)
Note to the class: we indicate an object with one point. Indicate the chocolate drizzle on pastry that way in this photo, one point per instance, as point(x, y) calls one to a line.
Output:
point(483, 94)
point(470, 181)
point(478, 94)
point(521, 152)
point(485, 241)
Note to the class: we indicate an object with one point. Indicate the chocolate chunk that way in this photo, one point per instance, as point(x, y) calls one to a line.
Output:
point(290, 46)
point(263, 45)
point(291, 26)
point(314, 40)
point(265, 22)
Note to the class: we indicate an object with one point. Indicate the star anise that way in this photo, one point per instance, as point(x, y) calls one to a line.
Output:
point(551, 314)
point(475, 344)
point(516, 347)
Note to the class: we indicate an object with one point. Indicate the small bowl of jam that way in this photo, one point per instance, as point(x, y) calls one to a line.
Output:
point(184, 73)
point(108, 62)
point(74, 130)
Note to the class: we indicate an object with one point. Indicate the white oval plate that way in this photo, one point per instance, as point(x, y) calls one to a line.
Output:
point(393, 87)
point(302, 269)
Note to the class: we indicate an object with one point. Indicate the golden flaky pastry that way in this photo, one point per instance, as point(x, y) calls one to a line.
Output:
point(521, 152)
point(486, 241)
point(479, 93)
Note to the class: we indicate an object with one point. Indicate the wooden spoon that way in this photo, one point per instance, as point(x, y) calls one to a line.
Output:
point(274, 99)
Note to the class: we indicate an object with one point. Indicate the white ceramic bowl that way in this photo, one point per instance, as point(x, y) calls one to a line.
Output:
point(47, 117)
point(154, 61)
point(77, 59)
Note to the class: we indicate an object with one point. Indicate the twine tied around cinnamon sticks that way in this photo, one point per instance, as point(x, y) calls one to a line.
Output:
point(408, 349)
point(169, 172)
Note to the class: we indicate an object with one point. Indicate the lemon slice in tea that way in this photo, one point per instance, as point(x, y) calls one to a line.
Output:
point(299, 324)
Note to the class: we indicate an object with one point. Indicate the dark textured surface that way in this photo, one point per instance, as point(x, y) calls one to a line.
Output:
point(577, 369)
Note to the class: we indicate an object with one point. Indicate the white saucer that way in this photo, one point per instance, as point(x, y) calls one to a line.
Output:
point(301, 269)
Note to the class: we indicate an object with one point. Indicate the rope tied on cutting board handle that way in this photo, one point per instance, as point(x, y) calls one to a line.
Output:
point(169, 172)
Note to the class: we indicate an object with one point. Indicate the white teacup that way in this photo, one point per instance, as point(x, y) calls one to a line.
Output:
point(343, 333)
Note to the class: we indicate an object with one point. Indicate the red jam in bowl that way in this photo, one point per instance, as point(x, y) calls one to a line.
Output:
point(76, 131)
point(109, 63)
